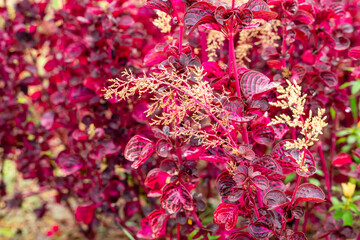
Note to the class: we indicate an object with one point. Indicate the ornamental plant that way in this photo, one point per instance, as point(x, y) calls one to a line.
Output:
point(244, 103)
point(184, 119)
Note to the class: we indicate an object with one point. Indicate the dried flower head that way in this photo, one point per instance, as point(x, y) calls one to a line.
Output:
point(215, 41)
point(292, 98)
point(163, 21)
point(184, 101)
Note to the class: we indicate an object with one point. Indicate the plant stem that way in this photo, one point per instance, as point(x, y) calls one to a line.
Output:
point(325, 170)
point(305, 217)
point(203, 43)
point(255, 207)
point(178, 230)
point(181, 36)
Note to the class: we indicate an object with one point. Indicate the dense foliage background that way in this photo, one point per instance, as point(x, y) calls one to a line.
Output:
point(68, 170)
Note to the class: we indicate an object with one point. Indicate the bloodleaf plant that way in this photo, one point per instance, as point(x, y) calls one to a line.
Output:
point(210, 119)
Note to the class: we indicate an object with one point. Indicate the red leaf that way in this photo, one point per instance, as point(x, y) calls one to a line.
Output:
point(244, 17)
point(275, 199)
point(274, 64)
point(260, 182)
point(156, 180)
point(85, 213)
point(308, 192)
point(224, 184)
point(354, 52)
point(163, 148)
point(298, 236)
point(260, 229)
point(69, 164)
point(158, 221)
point(138, 150)
point(255, 83)
point(162, 5)
point(297, 73)
point(199, 13)
point(264, 135)
point(341, 159)
point(329, 78)
point(240, 236)
point(175, 197)
point(265, 15)
point(226, 214)
point(304, 17)
point(47, 120)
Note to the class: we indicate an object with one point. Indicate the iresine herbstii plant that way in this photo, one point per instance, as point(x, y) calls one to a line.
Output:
point(218, 112)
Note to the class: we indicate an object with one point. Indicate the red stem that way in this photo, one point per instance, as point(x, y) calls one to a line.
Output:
point(305, 218)
point(255, 207)
point(178, 230)
point(204, 56)
point(325, 170)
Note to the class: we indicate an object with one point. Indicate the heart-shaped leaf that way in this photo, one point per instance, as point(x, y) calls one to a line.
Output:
point(260, 229)
point(308, 192)
point(138, 150)
point(297, 73)
point(304, 17)
point(290, 7)
point(224, 184)
point(198, 13)
point(342, 159)
point(329, 78)
point(264, 135)
point(255, 83)
point(163, 148)
point(69, 163)
point(275, 199)
point(298, 236)
point(226, 214)
point(162, 5)
point(240, 236)
point(261, 182)
point(219, 14)
point(268, 167)
point(175, 197)
point(158, 221)
point(236, 193)
point(156, 180)
point(85, 213)
point(354, 52)
point(244, 17)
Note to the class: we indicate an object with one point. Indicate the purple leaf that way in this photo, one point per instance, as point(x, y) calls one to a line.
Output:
point(354, 52)
point(85, 213)
point(260, 182)
point(156, 180)
point(68, 163)
point(162, 5)
point(275, 199)
point(308, 192)
point(244, 17)
point(163, 148)
point(264, 135)
point(47, 120)
point(226, 214)
point(255, 83)
point(298, 236)
point(175, 197)
point(304, 17)
point(329, 78)
point(224, 184)
point(260, 230)
point(138, 150)
point(199, 13)
point(240, 236)
point(158, 221)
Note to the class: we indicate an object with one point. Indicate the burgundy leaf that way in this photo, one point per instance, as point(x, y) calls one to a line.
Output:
point(264, 135)
point(138, 150)
point(268, 167)
point(298, 212)
point(198, 13)
point(297, 73)
point(162, 5)
point(175, 197)
point(329, 78)
point(156, 180)
point(290, 7)
point(308, 192)
point(342, 43)
point(304, 17)
point(158, 221)
point(224, 184)
point(341, 159)
point(275, 198)
point(240, 236)
point(163, 148)
point(259, 230)
point(47, 120)
point(298, 236)
point(219, 15)
point(245, 17)
point(280, 130)
point(236, 193)
point(226, 214)
point(355, 52)
point(85, 213)
point(68, 163)
point(260, 182)
point(255, 83)
point(265, 15)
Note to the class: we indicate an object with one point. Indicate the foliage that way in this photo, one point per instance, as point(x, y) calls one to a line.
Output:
point(215, 118)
